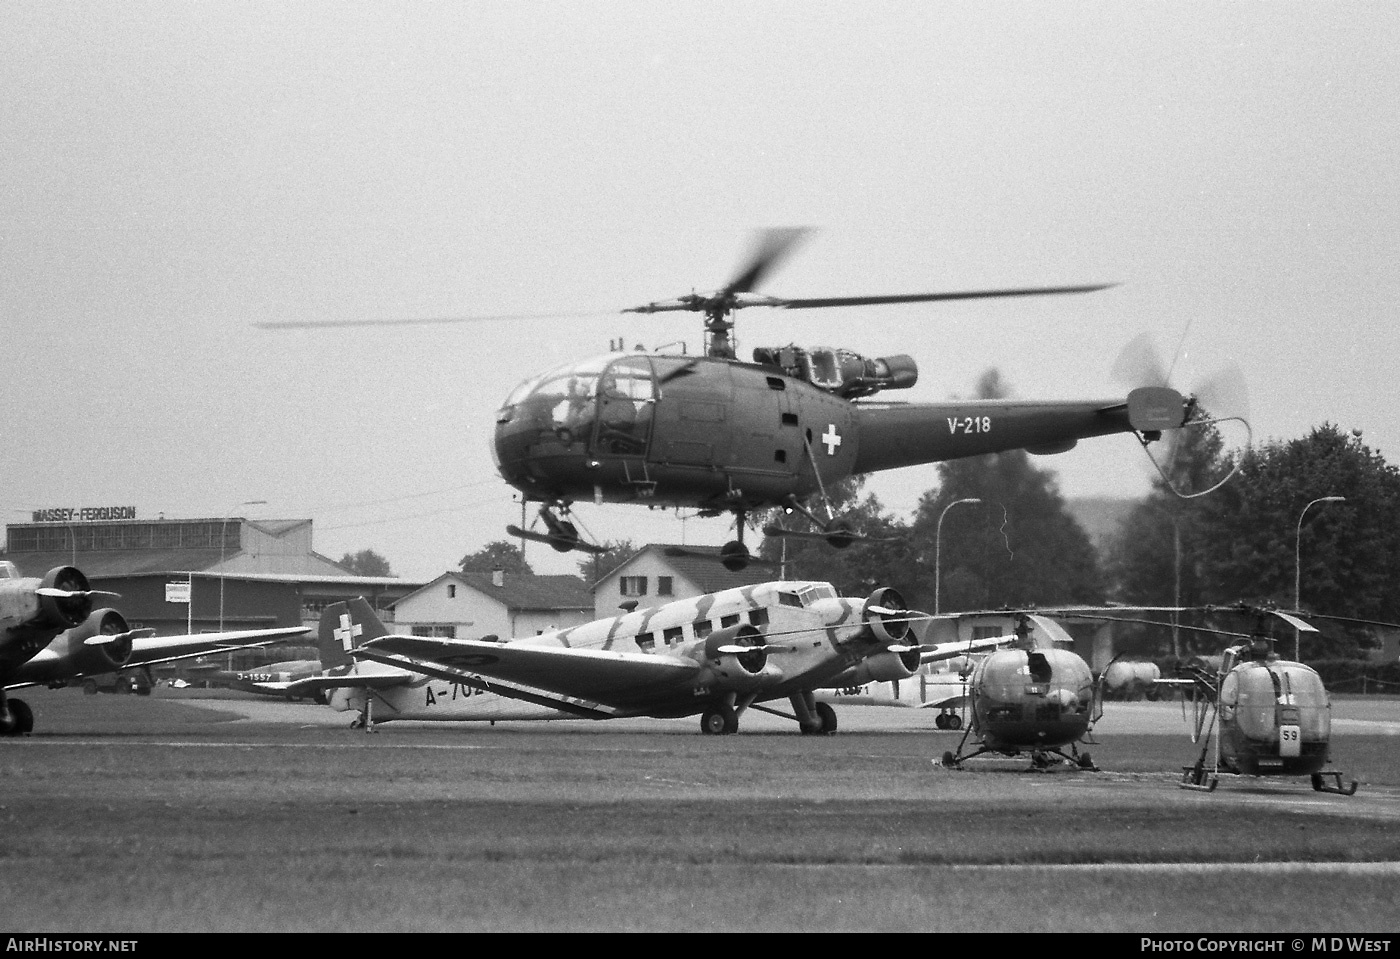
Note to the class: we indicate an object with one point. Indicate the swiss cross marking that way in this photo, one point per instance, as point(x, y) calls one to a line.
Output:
point(831, 438)
point(346, 632)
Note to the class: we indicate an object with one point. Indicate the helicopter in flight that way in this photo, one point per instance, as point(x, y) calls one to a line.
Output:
point(719, 434)
point(1034, 696)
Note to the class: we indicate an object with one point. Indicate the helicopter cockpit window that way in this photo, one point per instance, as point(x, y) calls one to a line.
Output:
point(1252, 694)
point(567, 397)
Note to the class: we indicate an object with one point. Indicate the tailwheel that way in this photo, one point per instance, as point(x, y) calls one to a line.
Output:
point(719, 721)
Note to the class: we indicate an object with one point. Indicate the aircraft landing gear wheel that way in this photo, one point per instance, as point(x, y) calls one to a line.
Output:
point(954, 721)
point(1317, 783)
point(949, 760)
point(21, 719)
point(734, 556)
point(840, 533)
point(827, 715)
point(719, 721)
point(563, 537)
point(941, 721)
point(1085, 761)
point(90, 687)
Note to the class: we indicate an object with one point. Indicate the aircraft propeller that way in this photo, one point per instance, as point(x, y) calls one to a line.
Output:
point(1221, 397)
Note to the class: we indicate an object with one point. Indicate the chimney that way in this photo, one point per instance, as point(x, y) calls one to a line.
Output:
point(498, 576)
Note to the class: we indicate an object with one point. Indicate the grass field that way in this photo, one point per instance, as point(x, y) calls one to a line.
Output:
point(141, 815)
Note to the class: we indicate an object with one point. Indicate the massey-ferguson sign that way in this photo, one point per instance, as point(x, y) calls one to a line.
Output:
point(83, 514)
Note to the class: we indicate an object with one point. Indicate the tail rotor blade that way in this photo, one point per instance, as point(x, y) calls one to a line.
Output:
point(1139, 364)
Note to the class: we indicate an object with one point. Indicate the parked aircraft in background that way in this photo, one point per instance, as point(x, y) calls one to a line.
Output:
point(941, 685)
point(273, 679)
point(346, 684)
point(716, 655)
point(51, 636)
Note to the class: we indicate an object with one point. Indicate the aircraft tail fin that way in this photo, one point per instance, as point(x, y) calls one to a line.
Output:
point(345, 626)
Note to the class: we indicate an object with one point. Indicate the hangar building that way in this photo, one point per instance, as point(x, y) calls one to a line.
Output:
point(200, 575)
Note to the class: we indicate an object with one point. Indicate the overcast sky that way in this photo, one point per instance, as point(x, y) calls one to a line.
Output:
point(174, 173)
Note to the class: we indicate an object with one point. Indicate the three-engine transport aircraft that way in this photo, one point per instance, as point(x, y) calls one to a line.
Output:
point(50, 635)
point(715, 655)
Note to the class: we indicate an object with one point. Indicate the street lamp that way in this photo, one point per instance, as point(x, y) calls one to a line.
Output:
point(938, 548)
point(223, 535)
point(1298, 566)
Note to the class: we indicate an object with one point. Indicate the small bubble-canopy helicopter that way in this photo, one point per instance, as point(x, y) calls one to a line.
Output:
point(1033, 697)
point(1254, 713)
point(1258, 714)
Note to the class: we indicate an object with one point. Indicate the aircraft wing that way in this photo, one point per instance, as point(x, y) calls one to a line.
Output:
point(168, 649)
point(152, 650)
point(953, 701)
point(594, 676)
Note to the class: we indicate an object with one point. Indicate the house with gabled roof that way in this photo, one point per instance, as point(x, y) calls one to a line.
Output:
point(472, 605)
point(661, 572)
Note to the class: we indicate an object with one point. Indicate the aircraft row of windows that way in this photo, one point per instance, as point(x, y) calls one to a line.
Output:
point(699, 629)
point(637, 585)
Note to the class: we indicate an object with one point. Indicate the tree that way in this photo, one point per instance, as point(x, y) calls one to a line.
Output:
point(1018, 546)
point(366, 563)
point(594, 567)
point(497, 554)
point(1256, 540)
point(1342, 558)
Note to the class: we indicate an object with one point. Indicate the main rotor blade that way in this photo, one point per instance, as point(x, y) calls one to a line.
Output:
point(423, 320)
point(814, 303)
point(770, 248)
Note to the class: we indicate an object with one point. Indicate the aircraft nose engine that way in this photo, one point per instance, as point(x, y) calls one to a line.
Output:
point(886, 615)
point(736, 656)
point(65, 611)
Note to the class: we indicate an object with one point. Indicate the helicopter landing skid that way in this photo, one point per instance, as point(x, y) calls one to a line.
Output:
point(561, 544)
point(1196, 777)
point(1320, 784)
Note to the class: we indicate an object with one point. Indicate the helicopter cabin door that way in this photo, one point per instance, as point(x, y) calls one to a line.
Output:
point(626, 397)
point(692, 412)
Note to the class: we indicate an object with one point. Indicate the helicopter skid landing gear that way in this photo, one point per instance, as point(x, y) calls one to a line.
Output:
point(562, 536)
point(1320, 784)
point(1196, 777)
